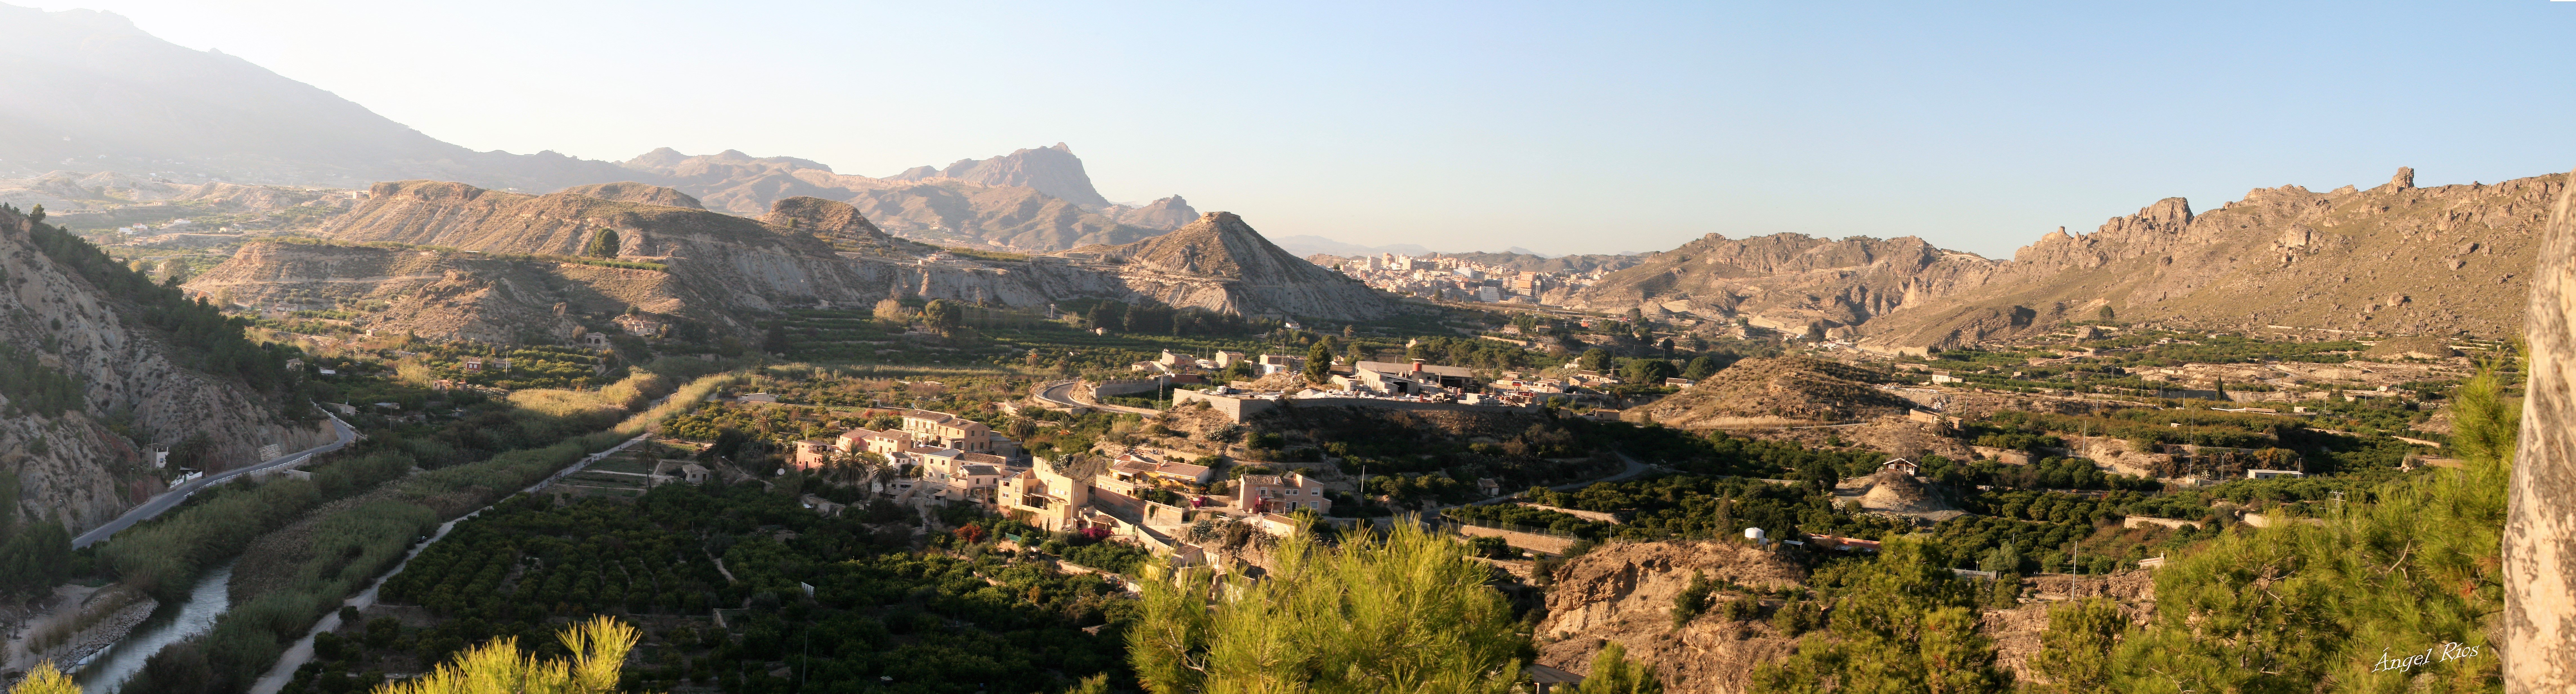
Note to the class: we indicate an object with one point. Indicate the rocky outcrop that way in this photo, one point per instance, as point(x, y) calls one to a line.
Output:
point(1053, 171)
point(1623, 593)
point(85, 472)
point(958, 213)
point(2538, 642)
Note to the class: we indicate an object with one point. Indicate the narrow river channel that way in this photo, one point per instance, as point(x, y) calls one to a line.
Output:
point(111, 668)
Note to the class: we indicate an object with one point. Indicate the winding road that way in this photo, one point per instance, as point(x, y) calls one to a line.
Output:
point(1070, 394)
point(171, 499)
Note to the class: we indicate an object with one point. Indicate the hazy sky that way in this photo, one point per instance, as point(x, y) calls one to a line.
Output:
point(1562, 127)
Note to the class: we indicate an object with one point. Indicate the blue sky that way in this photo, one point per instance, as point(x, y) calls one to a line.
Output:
point(1560, 127)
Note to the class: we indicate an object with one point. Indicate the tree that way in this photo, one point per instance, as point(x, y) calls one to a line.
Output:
point(2075, 652)
point(1649, 371)
point(1614, 673)
point(892, 311)
point(1319, 362)
point(37, 215)
point(603, 243)
point(1900, 622)
point(45, 679)
point(942, 316)
point(1636, 318)
point(1403, 612)
point(599, 647)
point(1701, 367)
point(2104, 314)
point(775, 342)
point(1594, 359)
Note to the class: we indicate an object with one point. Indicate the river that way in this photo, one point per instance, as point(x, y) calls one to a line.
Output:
point(208, 600)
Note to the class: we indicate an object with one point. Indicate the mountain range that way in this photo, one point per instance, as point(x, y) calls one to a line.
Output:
point(451, 260)
point(2448, 260)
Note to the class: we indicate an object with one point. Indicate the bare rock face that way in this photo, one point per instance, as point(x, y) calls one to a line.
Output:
point(1051, 170)
point(2539, 644)
point(1624, 593)
point(86, 473)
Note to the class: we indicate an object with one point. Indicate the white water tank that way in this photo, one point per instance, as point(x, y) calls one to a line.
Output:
point(1754, 534)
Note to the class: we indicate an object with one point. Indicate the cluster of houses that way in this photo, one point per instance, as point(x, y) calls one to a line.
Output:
point(1144, 496)
point(1176, 364)
point(1456, 279)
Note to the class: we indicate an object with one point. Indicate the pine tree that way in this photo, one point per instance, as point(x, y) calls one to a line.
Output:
point(2075, 652)
point(603, 244)
point(1614, 673)
point(1319, 362)
point(1405, 613)
point(45, 678)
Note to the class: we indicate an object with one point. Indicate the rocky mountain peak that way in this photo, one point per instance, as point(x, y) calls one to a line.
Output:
point(2404, 180)
point(1167, 213)
point(1054, 171)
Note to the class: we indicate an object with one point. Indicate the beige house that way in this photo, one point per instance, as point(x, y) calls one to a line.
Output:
point(948, 431)
point(1041, 497)
point(1283, 493)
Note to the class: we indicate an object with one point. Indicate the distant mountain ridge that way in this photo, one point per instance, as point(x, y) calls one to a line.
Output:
point(116, 98)
point(454, 261)
point(2448, 260)
point(1051, 170)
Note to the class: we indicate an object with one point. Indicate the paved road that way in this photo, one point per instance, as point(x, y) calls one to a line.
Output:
point(302, 652)
point(1059, 393)
point(1072, 394)
point(170, 499)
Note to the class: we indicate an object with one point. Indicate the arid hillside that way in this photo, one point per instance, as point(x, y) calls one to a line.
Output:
point(1789, 282)
point(2390, 259)
point(1034, 201)
point(1778, 391)
point(2393, 259)
point(74, 465)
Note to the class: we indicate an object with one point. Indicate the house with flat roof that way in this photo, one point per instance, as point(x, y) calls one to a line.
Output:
point(947, 431)
point(1281, 493)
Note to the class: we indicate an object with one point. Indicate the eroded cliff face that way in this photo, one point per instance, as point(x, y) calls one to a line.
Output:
point(446, 294)
point(1624, 592)
point(1790, 282)
point(87, 472)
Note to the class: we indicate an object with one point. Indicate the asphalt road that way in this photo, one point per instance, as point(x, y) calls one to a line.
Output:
point(169, 499)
